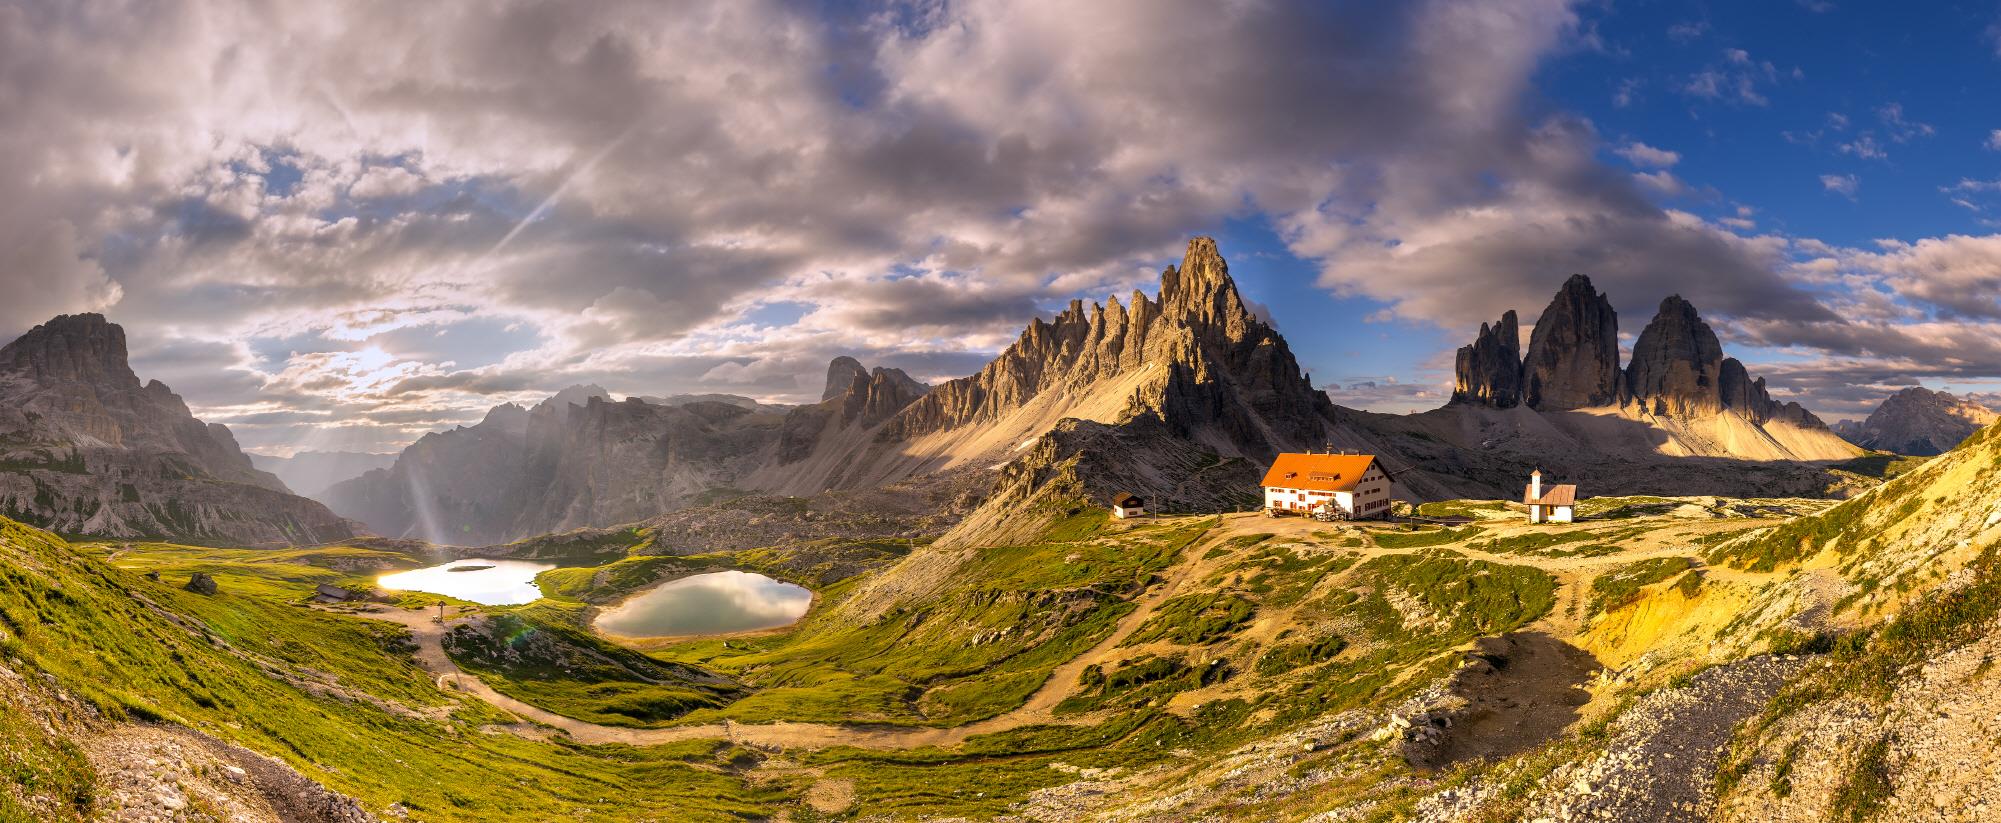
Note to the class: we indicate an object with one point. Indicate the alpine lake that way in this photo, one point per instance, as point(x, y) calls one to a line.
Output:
point(712, 603)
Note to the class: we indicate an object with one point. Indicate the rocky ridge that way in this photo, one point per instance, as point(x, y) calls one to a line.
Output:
point(577, 459)
point(1680, 396)
point(1193, 365)
point(1919, 421)
point(1489, 372)
point(86, 448)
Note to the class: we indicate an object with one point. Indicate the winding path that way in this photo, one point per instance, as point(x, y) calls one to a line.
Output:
point(428, 631)
point(1195, 564)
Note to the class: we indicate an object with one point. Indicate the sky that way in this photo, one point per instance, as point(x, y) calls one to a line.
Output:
point(340, 226)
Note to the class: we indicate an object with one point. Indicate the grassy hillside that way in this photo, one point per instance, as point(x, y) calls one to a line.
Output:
point(1171, 668)
point(336, 697)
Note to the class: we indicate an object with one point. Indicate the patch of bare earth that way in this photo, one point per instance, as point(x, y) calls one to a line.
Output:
point(149, 774)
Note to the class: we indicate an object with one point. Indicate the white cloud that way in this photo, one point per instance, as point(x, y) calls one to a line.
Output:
point(1661, 181)
point(1688, 31)
point(542, 193)
point(1864, 147)
point(1641, 154)
point(1993, 140)
point(1842, 184)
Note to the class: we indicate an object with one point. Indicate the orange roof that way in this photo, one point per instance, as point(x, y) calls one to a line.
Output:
point(1318, 472)
point(1551, 496)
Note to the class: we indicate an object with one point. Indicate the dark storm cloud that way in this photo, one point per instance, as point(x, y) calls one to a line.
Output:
point(615, 188)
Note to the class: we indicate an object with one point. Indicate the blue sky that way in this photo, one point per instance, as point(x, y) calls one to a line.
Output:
point(1900, 98)
point(343, 227)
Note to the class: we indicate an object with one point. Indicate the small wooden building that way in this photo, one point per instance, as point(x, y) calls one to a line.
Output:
point(1127, 504)
point(1555, 504)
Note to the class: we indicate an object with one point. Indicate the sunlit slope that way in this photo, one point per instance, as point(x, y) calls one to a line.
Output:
point(336, 697)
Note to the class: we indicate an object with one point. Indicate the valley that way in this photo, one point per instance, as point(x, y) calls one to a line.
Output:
point(918, 602)
point(923, 687)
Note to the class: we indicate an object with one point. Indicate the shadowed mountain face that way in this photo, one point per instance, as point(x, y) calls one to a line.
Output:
point(1682, 395)
point(1489, 372)
point(89, 449)
point(1919, 421)
point(310, 472)
point(1208, 382)
point(1182, 397)
point(1573, 358)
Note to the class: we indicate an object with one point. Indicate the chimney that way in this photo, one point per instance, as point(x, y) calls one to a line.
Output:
point(1535, 484)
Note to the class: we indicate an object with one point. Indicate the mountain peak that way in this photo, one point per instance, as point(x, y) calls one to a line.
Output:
point(1678, 365)
point(1920, 421)
point(841, 373)
point(1201, 292)
point(1489, 372)
point(577, 395)
point(72, 348)
point(1573, 356)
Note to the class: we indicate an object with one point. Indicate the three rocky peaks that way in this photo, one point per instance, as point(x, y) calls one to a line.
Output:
point(1678, 367)
point(1182, 396)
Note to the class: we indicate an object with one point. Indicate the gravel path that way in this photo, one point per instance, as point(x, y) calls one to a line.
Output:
point(1661, 763)
point(429, 634)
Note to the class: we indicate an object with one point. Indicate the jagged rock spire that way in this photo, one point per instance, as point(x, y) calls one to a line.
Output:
point(1573, 357)
point(1201, 292)
point(1677, 363)
point(1489, 372)
point(1221, 369)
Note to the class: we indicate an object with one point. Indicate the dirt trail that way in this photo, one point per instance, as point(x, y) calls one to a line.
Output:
point(429, 633)
point(1194, 565)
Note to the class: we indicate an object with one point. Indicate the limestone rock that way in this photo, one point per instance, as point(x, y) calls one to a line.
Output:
point(873, 396)
point(1678, 365)
point(1224, 373)
point(92, 450)
point(560, 465)
point(1489, 372)
point(201, 583)
point(841, 374)
point(1919, 421)
point(1573, 356)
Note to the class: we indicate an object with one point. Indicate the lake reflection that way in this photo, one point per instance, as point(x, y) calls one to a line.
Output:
point(713, 603)
point(499, 583)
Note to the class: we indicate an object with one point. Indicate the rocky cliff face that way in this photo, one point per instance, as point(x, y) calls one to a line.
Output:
point(85, 447)
point(874, 396)
point(1680, 397)
point(841, 373)
point(577, 459)
point(1489, 372)
point(1919, 421)
point(1573, 357)
point(1679, 369)
point(1677, 363)
point(1193, 365)
point(1224, 376)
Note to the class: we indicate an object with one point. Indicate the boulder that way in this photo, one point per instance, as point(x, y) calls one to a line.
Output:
point(201, 583)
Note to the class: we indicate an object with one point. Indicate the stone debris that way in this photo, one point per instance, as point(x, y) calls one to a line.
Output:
point(1661, 761)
